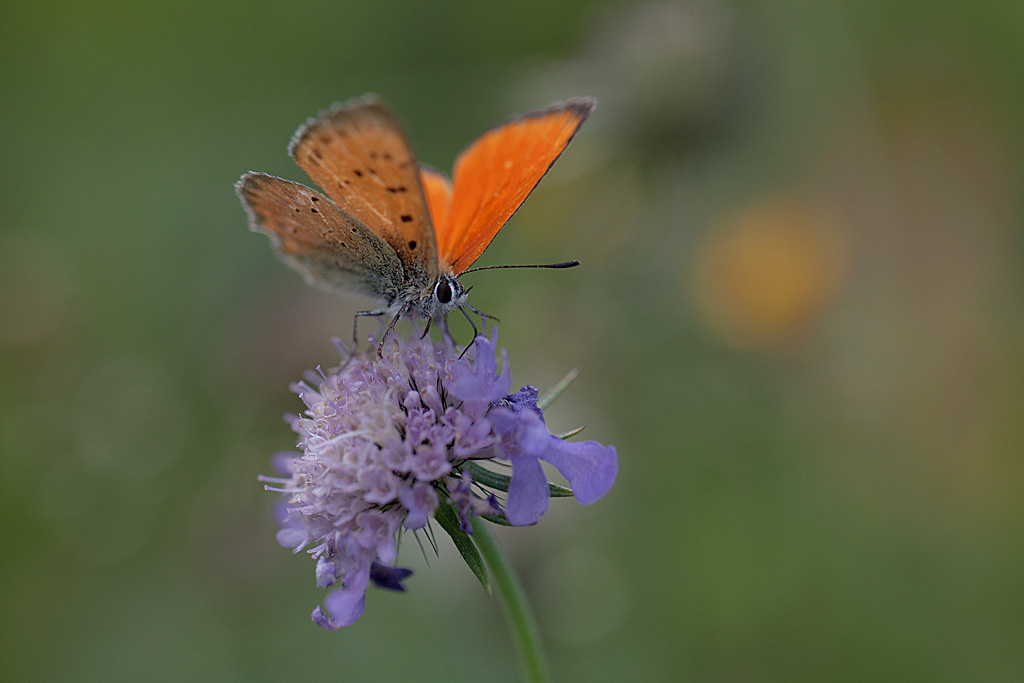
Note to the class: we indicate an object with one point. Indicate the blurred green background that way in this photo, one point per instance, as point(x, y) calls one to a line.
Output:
point(799, 319)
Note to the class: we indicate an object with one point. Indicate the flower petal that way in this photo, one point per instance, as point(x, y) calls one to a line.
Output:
point(346, 607)
point(524, 399)
point(420, 500)
point(292, 538)
point(528, 495)
point(590, 467)
point(389, 577)
point(480, 385)
point(347, 603)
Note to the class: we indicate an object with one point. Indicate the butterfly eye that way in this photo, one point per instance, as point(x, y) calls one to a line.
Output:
point(443, 292)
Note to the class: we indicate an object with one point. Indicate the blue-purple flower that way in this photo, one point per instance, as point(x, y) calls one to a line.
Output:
point(388, 441)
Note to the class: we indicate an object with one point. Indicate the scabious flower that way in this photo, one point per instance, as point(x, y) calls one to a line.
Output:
point(389, 442)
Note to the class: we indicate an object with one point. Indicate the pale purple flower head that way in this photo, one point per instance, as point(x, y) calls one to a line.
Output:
point(385, 441)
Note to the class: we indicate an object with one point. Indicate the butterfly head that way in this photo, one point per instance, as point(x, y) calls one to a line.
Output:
point(448, 295)
point(431, 302)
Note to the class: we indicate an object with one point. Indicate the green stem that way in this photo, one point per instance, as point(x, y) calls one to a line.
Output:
point(517, 607)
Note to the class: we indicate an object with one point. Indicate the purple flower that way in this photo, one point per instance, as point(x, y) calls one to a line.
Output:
point(387, 440)
point(589, 467)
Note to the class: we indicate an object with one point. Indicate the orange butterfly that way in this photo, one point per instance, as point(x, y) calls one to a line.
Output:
point(390, 229)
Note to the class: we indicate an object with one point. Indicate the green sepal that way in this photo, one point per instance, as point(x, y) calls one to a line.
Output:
point(448, 518)
point(498, 519)
point(559, 491)
point(486, 477)
point(500, 482)
point(571, 433)
point(554, 392)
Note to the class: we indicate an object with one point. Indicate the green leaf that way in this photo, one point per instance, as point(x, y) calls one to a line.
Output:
point(500, 482)
point(448, 518)
point(554, 392)
point(486, 477)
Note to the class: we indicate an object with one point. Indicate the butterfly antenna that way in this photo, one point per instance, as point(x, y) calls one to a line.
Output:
point(564, 264)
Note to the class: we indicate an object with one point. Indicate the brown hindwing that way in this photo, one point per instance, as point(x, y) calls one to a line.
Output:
point(331, 248)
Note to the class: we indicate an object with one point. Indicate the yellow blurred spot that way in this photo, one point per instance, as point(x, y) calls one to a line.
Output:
point(765, 272)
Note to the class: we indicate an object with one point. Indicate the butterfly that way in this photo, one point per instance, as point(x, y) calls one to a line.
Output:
point(388, 228)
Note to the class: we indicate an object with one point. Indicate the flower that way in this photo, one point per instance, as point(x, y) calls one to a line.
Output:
point(387, 440)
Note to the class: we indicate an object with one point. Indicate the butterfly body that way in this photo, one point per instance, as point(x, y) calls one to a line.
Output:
point(387, 228)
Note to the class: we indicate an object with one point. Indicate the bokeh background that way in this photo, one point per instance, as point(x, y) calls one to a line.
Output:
point(800, 320)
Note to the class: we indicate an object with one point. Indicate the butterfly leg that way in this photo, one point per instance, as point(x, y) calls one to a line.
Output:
point(484, 317)
point(355, 324)
point(391, 327)
point(462, 310)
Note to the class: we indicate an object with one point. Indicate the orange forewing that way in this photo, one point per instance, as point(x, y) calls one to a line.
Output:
point(494, 175)
point(438, 191)
point(359, 154)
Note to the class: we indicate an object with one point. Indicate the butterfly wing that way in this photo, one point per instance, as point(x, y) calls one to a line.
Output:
point(331, 248)
point(438, 191)
point(361, 157)
point(495, 174)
